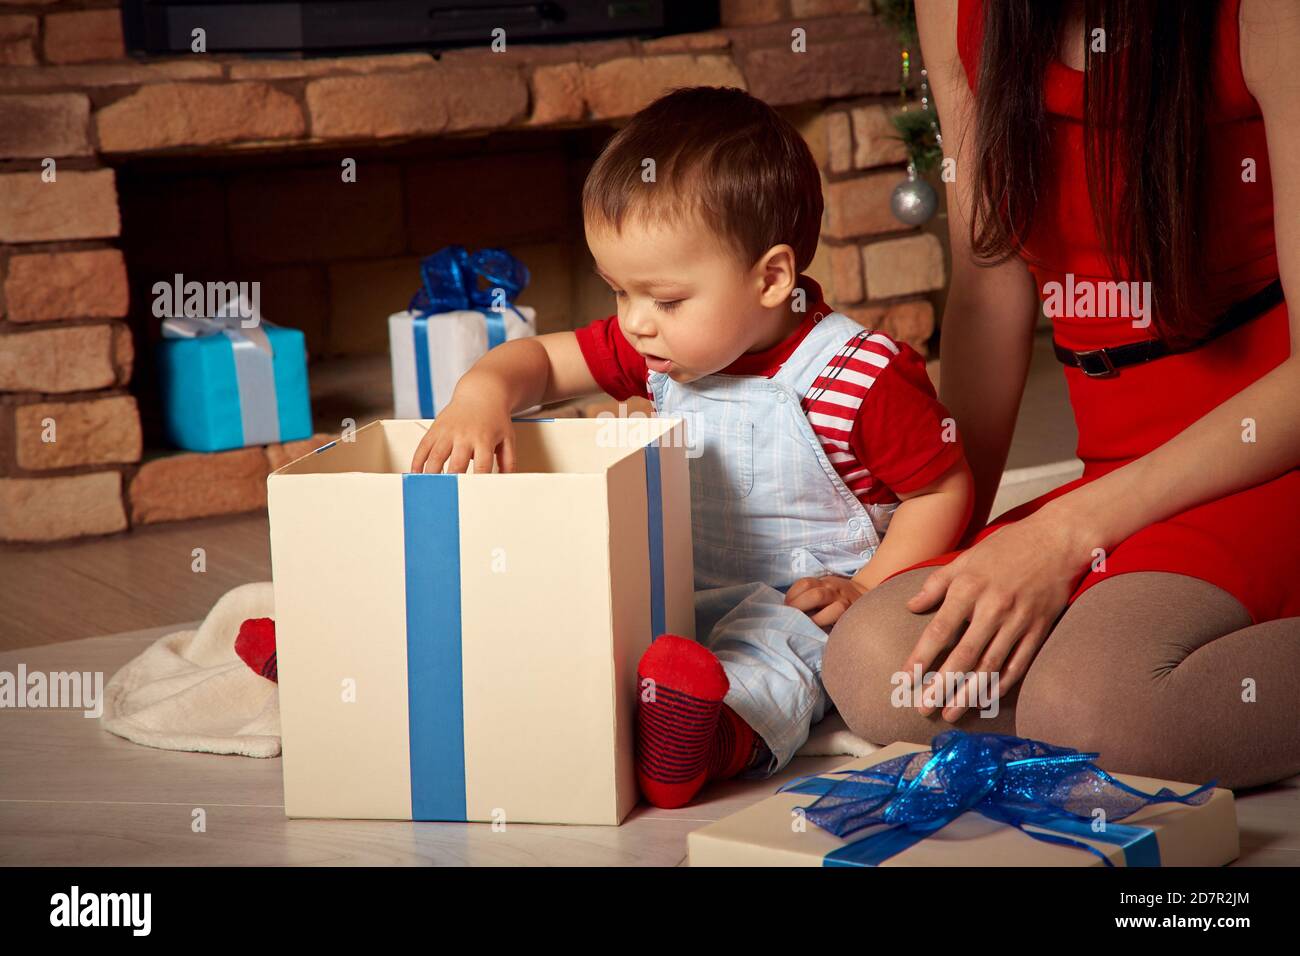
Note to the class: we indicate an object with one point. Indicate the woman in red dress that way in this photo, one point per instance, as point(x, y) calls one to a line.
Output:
point(1149, 610)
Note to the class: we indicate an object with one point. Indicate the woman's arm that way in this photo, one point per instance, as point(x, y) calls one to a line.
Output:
point(1209, 458)
point(988, 323)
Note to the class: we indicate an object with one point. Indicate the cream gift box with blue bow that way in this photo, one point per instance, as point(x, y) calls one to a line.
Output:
point(957, 803)
point(465, 307)
point(464, 647)
point(232, 380)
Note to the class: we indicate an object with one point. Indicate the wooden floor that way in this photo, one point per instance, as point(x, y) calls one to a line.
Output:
point(72, 794)
point(126, 582)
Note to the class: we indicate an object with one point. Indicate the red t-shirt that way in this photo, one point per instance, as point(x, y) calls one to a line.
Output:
point(897, 430)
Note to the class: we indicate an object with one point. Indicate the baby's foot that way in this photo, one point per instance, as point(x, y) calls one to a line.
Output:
point(686, 735)
point(255, 645)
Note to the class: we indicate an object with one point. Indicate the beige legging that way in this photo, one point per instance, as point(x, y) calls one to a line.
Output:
point(1149, 669)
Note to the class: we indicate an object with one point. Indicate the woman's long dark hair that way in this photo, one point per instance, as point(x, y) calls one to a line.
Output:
point(1144, 116)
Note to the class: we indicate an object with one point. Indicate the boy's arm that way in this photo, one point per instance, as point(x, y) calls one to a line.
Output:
point(928, 522)
point(475, 426)
point(539, 370)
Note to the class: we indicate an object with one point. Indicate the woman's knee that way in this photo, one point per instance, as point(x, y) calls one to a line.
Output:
point(1098, 682)
point(1084, 688)
point(865, 651)
point(1056, 706)
point(1129, 729)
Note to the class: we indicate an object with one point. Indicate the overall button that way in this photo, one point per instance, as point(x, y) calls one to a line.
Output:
point(855, 524)
point(866, 554)
point(780, 396)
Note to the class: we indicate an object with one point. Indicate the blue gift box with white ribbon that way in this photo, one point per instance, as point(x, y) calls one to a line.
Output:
point(232, 381)
point(976, 800)
point(464, 646)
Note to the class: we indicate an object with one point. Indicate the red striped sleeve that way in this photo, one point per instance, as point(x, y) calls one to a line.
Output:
point(900, 431)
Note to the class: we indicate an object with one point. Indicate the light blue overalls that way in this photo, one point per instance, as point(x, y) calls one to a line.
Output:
point(767, 508)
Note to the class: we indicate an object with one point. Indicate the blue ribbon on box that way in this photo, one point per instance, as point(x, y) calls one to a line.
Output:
point(1013, 780)
point(254, 367)
point(450, 283)
point(433, 631)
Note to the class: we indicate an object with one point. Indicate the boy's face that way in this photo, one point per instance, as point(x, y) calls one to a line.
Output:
point(685, 302)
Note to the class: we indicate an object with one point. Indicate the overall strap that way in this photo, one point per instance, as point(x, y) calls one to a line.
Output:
point(835, 395)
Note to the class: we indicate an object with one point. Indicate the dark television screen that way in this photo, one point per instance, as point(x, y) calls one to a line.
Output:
point(307, 26)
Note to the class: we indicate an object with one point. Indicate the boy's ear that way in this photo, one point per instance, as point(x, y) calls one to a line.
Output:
point(777, 275)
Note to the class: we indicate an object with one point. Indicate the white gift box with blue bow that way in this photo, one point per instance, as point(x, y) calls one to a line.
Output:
point(464, 308)
point(909, 805)
point(431, 352)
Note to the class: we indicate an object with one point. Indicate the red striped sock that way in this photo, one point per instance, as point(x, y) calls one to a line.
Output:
point(735, 746)
point(255, 645)
point(681, 688)
point(685, 734)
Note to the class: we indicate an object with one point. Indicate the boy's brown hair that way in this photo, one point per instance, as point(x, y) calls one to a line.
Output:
point(722, 155)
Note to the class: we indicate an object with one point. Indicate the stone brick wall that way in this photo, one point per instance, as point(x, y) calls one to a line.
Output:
point(112, 167)
point(872, 267)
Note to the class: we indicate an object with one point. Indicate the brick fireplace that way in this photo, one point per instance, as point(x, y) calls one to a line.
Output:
point(116, 173)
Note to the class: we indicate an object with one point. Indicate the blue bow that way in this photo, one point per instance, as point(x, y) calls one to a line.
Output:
point(450, 282)
point(1013, 780)
point(450, 279)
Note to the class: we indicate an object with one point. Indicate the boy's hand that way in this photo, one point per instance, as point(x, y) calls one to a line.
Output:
point(470, 429)
point(824, 598)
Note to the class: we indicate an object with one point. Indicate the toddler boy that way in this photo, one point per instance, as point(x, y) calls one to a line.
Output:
point(811, 435)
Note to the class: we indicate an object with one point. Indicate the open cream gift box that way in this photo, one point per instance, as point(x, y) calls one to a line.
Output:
point(464, 647)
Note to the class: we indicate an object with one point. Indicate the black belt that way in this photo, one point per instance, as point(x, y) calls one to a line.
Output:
point(1104, 363)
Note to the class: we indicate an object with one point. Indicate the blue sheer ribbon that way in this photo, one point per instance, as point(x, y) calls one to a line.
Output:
point(1013, 780)
point(453, 280)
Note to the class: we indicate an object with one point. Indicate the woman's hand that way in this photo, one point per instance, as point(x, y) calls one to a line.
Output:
point(471, 428)
point(1011, 586)
point(824, 598)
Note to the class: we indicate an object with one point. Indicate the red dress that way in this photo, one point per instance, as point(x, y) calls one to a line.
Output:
point(1247, 543)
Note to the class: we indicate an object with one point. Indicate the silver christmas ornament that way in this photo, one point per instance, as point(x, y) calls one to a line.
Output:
point(913, 201)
